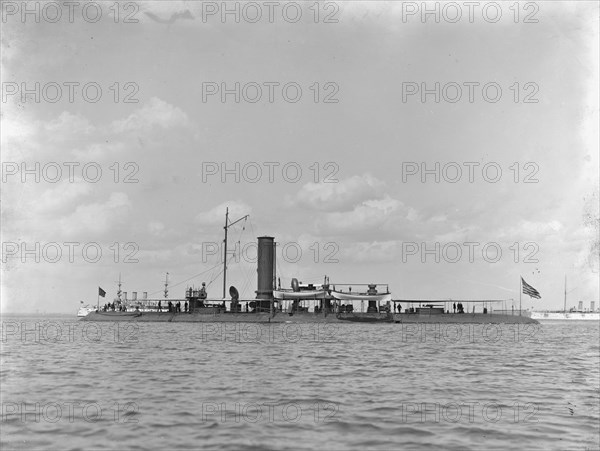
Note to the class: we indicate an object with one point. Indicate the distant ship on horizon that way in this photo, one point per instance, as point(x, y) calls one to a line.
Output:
point(572, 314)
point(592, 314)
point(582, 316)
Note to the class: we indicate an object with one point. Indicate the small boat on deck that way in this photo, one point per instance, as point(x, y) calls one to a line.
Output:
point(299, 295)
point(387, 297)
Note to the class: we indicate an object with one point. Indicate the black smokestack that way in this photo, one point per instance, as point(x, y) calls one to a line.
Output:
point(266, 269)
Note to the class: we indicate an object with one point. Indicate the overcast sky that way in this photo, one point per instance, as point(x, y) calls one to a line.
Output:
point(358, 118)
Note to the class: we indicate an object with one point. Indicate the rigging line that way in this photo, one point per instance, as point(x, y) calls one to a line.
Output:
point(193, 277)
point(245, 286)
point(278, 261)
point(246, 272)
point(220, 258)
point(237, 255)
point(280, 275)
point(213, 257)
point(252, 227)
point(214, 276)
point(239, 240)
point(217, 276)
point(241, 267)
point(234, 253)
point(221, 271)
point(218, 269)
point(242, 229)
point(186, 280)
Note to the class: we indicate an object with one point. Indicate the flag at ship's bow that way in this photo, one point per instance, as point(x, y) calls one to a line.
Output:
point(529, 290)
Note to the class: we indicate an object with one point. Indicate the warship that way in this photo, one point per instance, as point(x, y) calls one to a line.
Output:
point(301, 303)
point(578, 314)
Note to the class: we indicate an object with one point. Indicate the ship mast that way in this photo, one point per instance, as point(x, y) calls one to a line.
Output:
point(119, 292)
point(565, 307)
point(227, 225)
point(166, 285)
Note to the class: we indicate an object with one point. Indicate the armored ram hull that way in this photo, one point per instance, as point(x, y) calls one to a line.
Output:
point(306, 317)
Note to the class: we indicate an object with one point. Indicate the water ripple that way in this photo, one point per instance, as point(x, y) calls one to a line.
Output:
point(355, 388)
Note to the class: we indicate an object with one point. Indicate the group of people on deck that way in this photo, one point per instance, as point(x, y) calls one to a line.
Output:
point(457, 308)
point(172, 308)
point(112, 307)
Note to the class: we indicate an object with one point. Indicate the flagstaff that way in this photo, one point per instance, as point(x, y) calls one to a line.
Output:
point(102, 293)
point(529, 291)
point(520, 294)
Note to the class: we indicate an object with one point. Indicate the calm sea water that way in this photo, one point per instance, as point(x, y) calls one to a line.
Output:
point(72, 385)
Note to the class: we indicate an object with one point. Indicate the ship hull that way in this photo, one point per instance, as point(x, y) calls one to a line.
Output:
point(568, 316)
point(305, 317)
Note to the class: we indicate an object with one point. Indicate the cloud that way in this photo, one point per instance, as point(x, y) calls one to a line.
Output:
point(156, 228)
point(341, 196)
point(536, 230)
point(68, 124)
point(368, 216)
point(25, 137)
point(156, 112)
point(456, 233)
point(62, 196)
point(100, 150)
point(97, 217)
point(357, 206)
point(371, 252)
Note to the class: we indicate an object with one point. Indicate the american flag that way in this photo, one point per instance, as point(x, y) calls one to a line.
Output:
point(529, 290)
